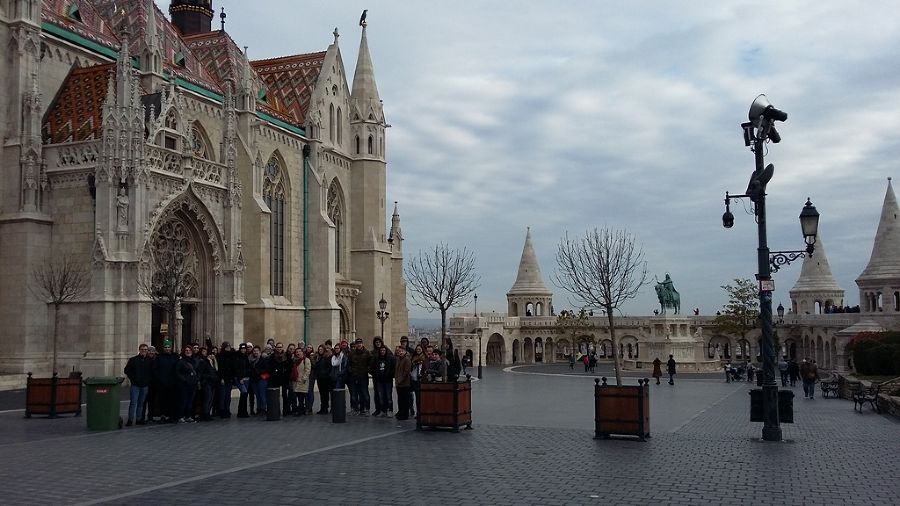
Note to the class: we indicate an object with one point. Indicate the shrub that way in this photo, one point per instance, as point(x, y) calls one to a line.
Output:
point(876, 354)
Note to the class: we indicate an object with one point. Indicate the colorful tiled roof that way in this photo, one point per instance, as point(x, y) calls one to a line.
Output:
point(291, 80)
point(76, 113)
point(93, 25)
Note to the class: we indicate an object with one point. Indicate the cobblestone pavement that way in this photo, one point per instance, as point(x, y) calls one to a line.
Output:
point(532, 444)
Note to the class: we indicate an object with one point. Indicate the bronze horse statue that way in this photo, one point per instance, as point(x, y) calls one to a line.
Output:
point(668, 296)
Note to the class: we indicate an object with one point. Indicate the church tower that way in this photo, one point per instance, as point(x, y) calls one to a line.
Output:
point(816, 288)
point(192, 16)
point(400, 314)
point(370, 250)
point(879, 283)
point(529, 296)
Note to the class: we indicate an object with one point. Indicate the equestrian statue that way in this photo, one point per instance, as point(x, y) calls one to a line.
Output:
point(668, 295)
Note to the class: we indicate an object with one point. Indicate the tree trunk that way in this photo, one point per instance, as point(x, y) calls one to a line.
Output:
point(173, 329)
point(55, 334)
point(443, 329)
point(615, 345)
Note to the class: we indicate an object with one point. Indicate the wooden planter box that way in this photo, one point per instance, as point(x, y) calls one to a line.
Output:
point(445, 405)
point(53, 396)
point(622, 410)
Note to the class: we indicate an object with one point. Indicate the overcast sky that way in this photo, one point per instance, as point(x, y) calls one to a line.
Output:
point(564, 116)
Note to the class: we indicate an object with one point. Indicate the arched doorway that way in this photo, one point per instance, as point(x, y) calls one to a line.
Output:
point(717, 348)
point(345, 324)
point(528, 351)
point(538, 350)
point(178, 267)
point(605, 349)
point(516, 351)
point(494, 350)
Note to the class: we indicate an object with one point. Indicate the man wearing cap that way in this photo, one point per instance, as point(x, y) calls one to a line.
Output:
point(164, 372)
point(360, 359)
point(139, 370)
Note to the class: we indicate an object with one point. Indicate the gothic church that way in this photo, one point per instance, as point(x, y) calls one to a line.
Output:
point(129, 137)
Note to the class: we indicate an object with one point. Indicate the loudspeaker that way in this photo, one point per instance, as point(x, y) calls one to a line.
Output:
point(762, 107)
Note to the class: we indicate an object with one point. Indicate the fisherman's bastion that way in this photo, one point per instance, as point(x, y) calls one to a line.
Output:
point(815, 325)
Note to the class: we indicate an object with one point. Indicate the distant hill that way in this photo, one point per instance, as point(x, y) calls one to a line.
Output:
point(425, 323)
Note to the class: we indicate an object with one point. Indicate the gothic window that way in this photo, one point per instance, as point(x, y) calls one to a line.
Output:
point(273, 195)
point(199, 142)
point(371, 146)
point(357, 144)
point(175, 262)
point(331, 122)
point(171, 121)
point(340, 130)
point(336, 215)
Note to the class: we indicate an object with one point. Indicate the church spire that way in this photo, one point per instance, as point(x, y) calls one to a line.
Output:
point(884, 263)
point(529, 279)
point(395, 237)
point(365, 92)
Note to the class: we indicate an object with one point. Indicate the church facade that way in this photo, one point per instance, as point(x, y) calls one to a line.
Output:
point(817, 324)
point(141, 146)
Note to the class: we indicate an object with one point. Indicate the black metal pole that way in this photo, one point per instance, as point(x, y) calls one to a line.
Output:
point(771, 428)
point(480, 351)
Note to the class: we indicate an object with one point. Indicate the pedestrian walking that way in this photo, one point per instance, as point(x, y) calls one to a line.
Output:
point(657, 369)
point(670, 368)
point(793, 371)
point(783, 370)
point(809, 373)
point(572, 361)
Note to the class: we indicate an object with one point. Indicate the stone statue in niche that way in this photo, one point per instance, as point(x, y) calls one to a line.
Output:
point(122, 207)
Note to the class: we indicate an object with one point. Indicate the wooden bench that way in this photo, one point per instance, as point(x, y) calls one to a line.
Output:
point(866, 394)
point(829, 386)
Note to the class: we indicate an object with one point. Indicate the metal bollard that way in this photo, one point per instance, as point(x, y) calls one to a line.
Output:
point(339, 405)
point(273, 400)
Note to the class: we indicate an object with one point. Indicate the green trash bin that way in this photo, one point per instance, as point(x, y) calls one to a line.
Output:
point(103, 403)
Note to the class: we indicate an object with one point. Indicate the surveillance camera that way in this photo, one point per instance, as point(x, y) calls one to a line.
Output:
point(727, 219)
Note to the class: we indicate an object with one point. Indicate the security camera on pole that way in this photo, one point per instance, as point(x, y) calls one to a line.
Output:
point(759, 130)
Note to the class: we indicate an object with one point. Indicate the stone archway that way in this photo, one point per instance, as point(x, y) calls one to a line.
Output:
point(527, 350)
point(516, 351)
point(539, 350)
point(494, 350)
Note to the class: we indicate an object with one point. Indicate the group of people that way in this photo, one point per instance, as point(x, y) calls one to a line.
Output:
point(198, 383)
point(790, 371)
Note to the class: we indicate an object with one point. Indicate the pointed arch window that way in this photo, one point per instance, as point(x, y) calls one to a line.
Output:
point(340, 129)
point(200, 143)
point(336, 215)
point(331, 122)
point(274, 196)
point(371, 145)
point(357, 144)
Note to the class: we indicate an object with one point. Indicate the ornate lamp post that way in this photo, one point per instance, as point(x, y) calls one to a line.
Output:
point(480, 352)
point(759, 130)
point(476, 305)
point(382, 314)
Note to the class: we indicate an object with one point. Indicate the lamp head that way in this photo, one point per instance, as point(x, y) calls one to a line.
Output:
point(727, 219)
point(762, 108)
point(382, 303)
point(809, 222)
point(780, 310)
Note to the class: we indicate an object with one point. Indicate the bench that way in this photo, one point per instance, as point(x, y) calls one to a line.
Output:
point(829, 386)
point(866, 394)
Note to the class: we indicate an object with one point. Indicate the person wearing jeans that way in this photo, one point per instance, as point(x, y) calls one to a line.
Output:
point(139, 370)
point(809, 373)
point(259, 379)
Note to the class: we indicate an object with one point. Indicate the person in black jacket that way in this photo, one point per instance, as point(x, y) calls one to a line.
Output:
point(209, 381)
point(259, 379)
point(226, 379)
point(241, 370)
point(187, 384)
point(139, 370)
point(164, 374)
point(383, 374)
point(323, 379)
point(279, 369)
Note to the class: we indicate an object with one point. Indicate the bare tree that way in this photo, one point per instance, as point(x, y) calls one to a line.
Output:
point(603, 269)
point(58, 281)
point(166, 277)
point(442, 278)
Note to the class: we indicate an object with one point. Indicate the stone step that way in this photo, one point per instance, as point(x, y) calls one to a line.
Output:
point(12, 381)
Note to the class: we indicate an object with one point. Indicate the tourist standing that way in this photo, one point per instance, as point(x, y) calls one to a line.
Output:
point(209, 383)
point(359, 364)
point(402, 371)
point(323, 379)
point(299, 381)
point(139, 370)
point(279, 369)
point(187, 384)
point(313, 358)
point(657, 369)
point(383, 375)
point(164, 373)
point(415, 376)
point(670, 368)
point(259, 379)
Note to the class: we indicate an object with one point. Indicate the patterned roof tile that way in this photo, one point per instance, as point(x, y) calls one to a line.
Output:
point(76, 113)
point(291, 79)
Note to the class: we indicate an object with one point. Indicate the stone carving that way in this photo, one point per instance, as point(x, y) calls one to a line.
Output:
point(122, 210)
point(98, 255)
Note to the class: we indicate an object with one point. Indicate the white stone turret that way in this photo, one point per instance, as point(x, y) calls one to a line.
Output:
point(816, 289)
point(879, 283)
point(529, 296)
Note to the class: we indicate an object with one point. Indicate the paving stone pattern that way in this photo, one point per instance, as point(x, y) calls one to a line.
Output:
point(703, 451)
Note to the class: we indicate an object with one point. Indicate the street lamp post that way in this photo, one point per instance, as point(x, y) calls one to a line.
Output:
point(480, 352)
point(476, 305)
point(759, 130)
point(382, 314)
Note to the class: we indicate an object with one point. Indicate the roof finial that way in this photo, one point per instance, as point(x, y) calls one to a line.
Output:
point(362, 19)
point(222, 16)
point(336, 34)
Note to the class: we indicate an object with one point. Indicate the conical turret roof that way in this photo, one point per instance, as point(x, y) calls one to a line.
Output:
point(885, 262)
point(815, 275)
point(365, 90)
point(529, 281)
